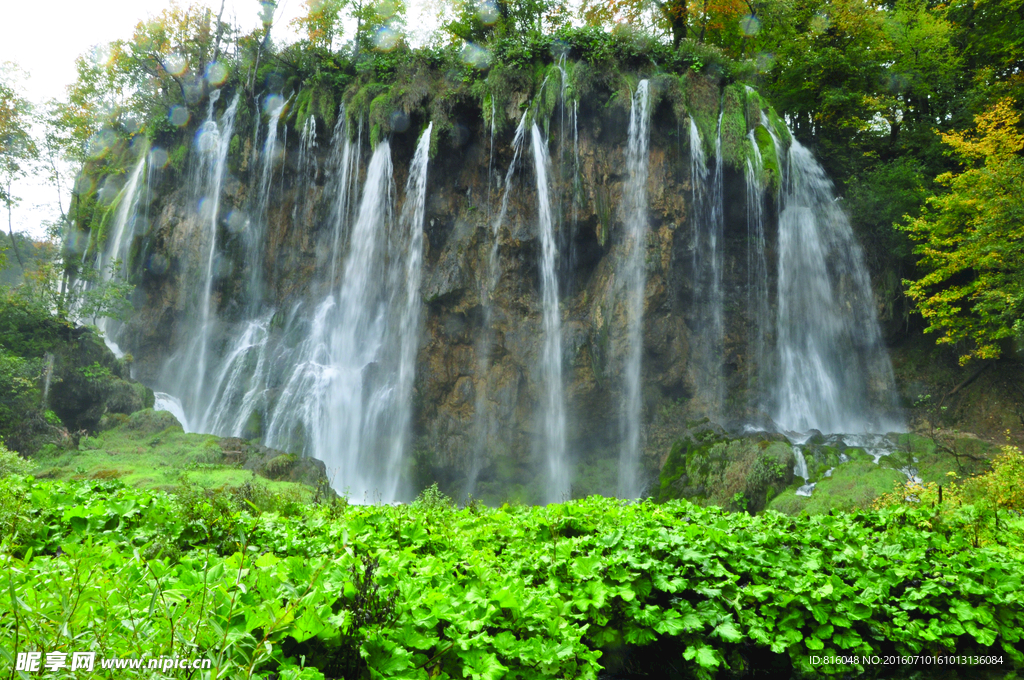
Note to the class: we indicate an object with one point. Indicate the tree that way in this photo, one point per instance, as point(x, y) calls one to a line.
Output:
point(971, 242)
point(322, 22)
point(17, 148)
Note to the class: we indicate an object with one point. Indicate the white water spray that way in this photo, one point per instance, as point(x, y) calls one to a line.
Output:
point(633, 278)
point(834, 372)
point(558, 483)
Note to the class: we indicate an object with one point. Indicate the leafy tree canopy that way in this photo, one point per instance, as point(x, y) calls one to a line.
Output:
point(971, 242)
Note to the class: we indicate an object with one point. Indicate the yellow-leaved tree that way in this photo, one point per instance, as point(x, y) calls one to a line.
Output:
point(971, 240)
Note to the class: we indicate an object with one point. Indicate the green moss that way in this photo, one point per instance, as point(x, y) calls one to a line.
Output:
point(769, 158)
point(380, 112)
point(357, 103)
point(753, 106)
point(739, 474)
point(177, 157)
point(734, 127)
point(852, 486)
point(326, 105)
point(674, 468)
point(142, 454)
point(703, 102)
point(302, 105)
point(779, 127)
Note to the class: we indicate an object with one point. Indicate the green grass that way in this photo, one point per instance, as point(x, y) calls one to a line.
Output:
point(852, 485)
point(149, 450)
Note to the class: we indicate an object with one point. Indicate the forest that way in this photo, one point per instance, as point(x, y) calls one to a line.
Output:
point(583, 339)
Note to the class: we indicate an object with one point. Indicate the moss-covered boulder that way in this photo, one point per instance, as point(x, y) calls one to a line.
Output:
point(273, 464)
point(739, 474)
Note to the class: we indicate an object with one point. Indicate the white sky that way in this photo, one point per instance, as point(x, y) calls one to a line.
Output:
point(45, 36)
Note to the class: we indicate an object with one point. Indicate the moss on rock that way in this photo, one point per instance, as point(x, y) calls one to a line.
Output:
point(851, 486)
point(738, 474)
point(734, 126)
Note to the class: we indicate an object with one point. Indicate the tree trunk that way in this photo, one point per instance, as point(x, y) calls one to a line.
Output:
point(675, 12)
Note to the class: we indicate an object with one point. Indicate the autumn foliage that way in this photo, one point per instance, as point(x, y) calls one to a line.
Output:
point(971, 240)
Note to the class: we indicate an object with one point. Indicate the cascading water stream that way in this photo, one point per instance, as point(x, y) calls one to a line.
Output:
point(309, 172)
point(554, 441)
point(410, 246)
point(482, 428)
point(332, 392)
point(343, 177)
point(758, 308)
point(118, 244)
point(120, 235)
point(348, 395)
point(167, 402)
point(575, 163)
point(633, 278)
point(256, 234)
point(708, 256)
point(240, 382)
point(490, 165)
point(213, 141)
point(834, 372)
point(800, 470)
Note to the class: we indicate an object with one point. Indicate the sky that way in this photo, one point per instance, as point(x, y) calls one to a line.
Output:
point(44, 38)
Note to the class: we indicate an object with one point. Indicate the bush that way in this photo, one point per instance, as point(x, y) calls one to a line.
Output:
point(985, 509)
point(12, 464)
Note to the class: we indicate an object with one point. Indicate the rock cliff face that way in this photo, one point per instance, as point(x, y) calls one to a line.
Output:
point(477, 391)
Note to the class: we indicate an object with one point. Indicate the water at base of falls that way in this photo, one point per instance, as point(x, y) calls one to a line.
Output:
point(171, 404)
point(800, 470)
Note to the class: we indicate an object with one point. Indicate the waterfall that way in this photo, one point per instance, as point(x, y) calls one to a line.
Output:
point(333, 390)
point(800, 470)
point(47, 378)
point(759, 319)
point(256, 235)
point(342, 184)
point(213, 141)
point(411, 246)
point(558, 486)
point(118, 245)
point(633, 278)
point(834, 372)
point(490, 164)
point(240, 382)
point(347, 397)
point(119, 236)
point(482, 428)
point(708, 256)
point(575, 163)
point(308, 171)
point(171, 404)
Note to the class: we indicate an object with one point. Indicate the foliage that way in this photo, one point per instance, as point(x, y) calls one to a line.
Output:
point(985, 495)
point(969, 239)
point(17, 148)
point(508, 592)
point(93, 297)
point(13, 464)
